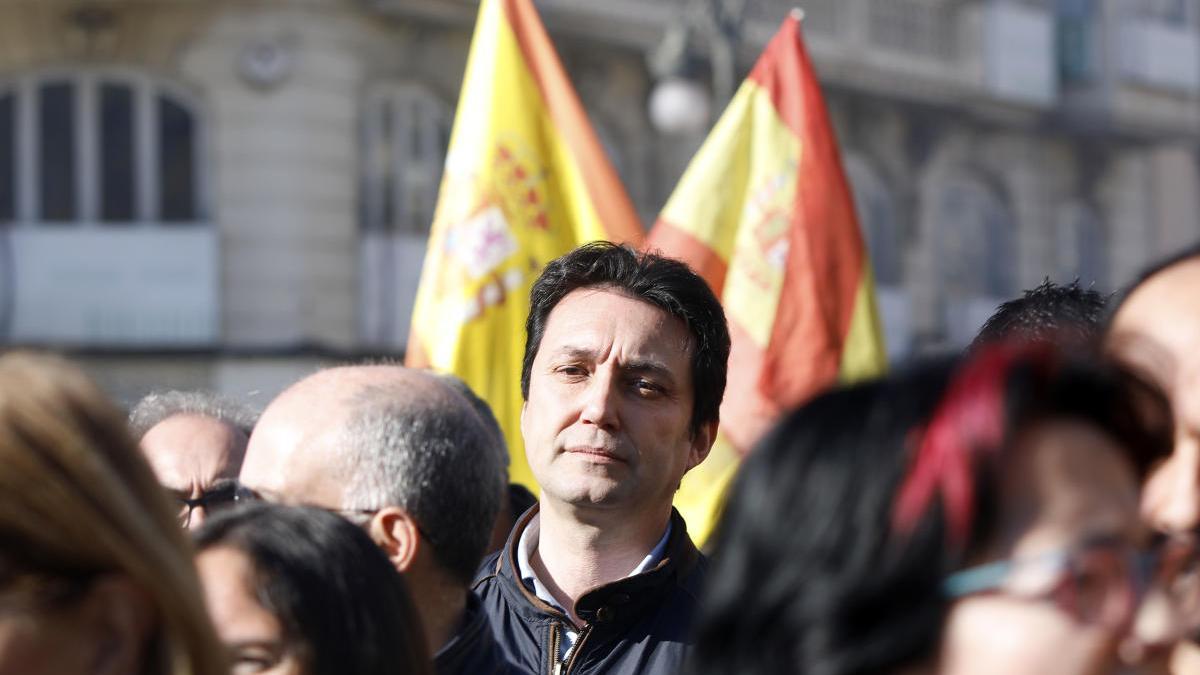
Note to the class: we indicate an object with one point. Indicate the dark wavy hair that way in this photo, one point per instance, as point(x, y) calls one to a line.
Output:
point(663, 282)
point(830, 556)
point(341, 603)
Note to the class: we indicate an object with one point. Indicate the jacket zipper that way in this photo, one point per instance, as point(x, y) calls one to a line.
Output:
point(555, 641)
point(563, 666)
point(574, 650)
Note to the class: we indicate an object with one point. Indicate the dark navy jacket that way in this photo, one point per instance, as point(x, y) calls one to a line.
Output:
point(473, 648)
point(641, 624)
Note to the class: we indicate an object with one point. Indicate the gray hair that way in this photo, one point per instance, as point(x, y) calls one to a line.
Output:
point(159, 405)
point(432, 456)
point(484, 411)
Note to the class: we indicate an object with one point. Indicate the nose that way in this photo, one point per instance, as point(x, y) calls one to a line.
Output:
point(1171, 501)
point(600, 401)
point(199, 515)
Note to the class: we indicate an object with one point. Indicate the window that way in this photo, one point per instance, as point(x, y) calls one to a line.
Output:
point(98, 148)
point(406, 130)
point(977, 240)
point(1081, 246)
point(877, 218)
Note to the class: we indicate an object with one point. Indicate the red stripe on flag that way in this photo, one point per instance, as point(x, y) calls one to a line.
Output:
point(826, 255)
point(749, 412)
point(675, 242)
point(608, 196)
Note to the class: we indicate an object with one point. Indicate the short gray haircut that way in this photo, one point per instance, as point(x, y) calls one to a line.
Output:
point(484, 411)
point(432, 456)
point(159, 405)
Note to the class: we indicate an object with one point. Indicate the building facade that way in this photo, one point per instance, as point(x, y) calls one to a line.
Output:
point(225, 194)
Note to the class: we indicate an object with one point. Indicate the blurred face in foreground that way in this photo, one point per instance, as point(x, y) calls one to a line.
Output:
point(1156, 333)
point(1062, 599)
point(96, 627)
point(251, 633)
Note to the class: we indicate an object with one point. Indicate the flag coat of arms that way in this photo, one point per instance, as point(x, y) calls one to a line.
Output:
point(526, 180)
point(765, 214)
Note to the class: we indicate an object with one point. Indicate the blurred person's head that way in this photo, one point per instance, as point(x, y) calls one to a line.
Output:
point(301, 591)
point(623, 374)
point(95, 574)
point(399, 451)
point(195, 442)
point(962, 520)
point(1067, 315)
point(1154, 331)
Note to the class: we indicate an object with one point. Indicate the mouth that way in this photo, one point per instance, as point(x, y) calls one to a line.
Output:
point(597, 455)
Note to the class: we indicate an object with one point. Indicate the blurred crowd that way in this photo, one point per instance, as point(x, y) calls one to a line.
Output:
point(1028, 506)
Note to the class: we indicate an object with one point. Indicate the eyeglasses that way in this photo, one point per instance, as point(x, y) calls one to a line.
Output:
point(1101, 582)
point(221, 495)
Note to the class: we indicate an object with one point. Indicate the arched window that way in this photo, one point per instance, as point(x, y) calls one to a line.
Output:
point(877, 217)
point(405, 132)
point(1081, 246)
point(974, 254)
point(976, 240)
point(92, 147)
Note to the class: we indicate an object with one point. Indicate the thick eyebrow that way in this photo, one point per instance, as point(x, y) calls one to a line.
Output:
point(222, 484)
point(649, 367)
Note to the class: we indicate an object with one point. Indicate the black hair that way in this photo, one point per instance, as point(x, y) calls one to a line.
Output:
point(339, 600)
point(1067, 314)
point(810, 573)
point(1144, 275)
point(663, 282)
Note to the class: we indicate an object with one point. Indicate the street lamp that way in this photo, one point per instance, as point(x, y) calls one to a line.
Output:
point(680, 103)
point(679, 106)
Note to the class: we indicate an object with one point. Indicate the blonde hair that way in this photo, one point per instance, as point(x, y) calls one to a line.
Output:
point(75, 494)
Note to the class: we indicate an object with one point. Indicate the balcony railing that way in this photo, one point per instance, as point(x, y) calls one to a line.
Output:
point(926, 29)
point(1159, 55)
point(109, 286)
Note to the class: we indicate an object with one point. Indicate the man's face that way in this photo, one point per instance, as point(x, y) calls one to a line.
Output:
point(610, 402)
point(1156, 333)
point(194, 457)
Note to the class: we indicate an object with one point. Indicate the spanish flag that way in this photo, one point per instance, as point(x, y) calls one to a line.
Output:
point(764, 213)
point(526, 180)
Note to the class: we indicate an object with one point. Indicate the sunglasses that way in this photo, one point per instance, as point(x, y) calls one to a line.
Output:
point(222, 495)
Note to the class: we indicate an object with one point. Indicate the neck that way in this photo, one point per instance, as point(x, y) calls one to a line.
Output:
point(578, 551)
point(441, 606)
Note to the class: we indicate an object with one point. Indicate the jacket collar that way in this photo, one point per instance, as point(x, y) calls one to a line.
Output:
point(603, 604)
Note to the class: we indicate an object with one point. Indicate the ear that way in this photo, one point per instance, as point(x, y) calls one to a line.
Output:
point(120, 615)
point(394, 531)
point(702, 444)
point(524, 409)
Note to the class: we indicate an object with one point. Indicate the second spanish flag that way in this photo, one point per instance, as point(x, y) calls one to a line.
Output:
point(764, 213)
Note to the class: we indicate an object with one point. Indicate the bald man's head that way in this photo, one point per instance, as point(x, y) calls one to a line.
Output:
point(362, 438)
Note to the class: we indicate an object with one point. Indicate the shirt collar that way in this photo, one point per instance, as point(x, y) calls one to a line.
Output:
point(528, 542)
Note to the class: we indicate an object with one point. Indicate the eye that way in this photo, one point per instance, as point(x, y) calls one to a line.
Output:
point(249, 661)
point(647, 387)
point(571, 372)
